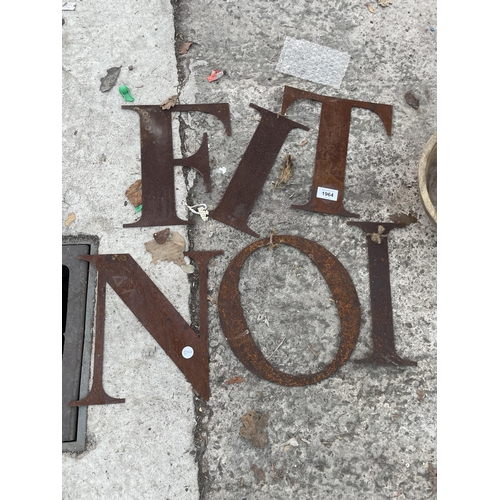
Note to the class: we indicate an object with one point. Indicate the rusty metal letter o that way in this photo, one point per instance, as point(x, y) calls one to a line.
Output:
point(240, 339)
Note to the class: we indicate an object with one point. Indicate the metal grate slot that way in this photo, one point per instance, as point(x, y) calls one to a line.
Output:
point(78, 282)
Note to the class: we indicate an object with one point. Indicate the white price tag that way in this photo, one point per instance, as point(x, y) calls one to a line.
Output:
point(187, 352)
point(327, 194)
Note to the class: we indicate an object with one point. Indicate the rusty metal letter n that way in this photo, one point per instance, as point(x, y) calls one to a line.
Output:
point(158, 162)
point(253, 169)
point(384, 349)
point(158, 316)
point(331, 151)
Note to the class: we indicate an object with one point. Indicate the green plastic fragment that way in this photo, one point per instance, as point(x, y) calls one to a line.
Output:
point(138, 208)
point(124, 91)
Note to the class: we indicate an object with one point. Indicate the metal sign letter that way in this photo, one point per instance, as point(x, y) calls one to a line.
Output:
point(158, 316)
point(158, 162)
point(331, 150)
point(384, 349)
point(239, 337)
point(253, 169)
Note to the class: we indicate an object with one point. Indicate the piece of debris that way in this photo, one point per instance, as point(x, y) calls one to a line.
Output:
point(377, 237)
point(188, 268)
point(262, 317)
point(401, 218)
point(285, 172)
point(384, 3)
point(134, 193)
point(276, 473)
point(138, 208)
point(259, 474)
point(168, 103)
point(109, 81)
point(202, 210)
point(305, 441)
point(217, 74)
point(292, 442)
point(71, 218)
point(234, 380)
point(433, 477)
point(253, 428)
point(271, 244)
point(212, 300)
point(412, 100)
point(313, 62)
point(370, 8)
point(125, 92)
point(421, 395)
point(172, 250)
point(279, 345)
point(303, 143)
point(68, 5)
point(314, 352)
point(185, 47)
point(130, 68)
point(162, 236)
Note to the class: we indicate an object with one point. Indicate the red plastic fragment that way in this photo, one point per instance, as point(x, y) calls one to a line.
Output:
point(215, 75)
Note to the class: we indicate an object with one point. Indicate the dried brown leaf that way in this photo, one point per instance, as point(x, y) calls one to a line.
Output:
point(109, 81)
point(303, 143)
point(162, 236)
point(134, 193)
point(412, 100)
point(253, 428)
point(71, 218)
point(259, 473)
point(286, 171)
point(172, 250)
point(170, 102)
point(212, 300)
point(185, 47)
point(401, 218)
point(421, 395)
point(234, 380)
point(370, 8)
point(384, 3)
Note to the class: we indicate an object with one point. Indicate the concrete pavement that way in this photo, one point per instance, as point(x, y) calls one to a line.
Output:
point(367, 431)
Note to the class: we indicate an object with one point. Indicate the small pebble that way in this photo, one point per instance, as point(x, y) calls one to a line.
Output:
point(130, 68)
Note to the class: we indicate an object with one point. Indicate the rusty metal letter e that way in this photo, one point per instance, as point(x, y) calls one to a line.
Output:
point(158, 162)
point(185, 348)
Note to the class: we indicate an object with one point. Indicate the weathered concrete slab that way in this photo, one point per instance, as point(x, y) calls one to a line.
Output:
point(143, 448)
point(366, 432)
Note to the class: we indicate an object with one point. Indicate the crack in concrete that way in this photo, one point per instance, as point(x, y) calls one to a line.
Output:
point(203, 411)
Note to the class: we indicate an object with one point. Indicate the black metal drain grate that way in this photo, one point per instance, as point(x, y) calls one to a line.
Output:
point(78, 291)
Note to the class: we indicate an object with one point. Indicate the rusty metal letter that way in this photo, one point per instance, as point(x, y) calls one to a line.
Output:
point(253, 169)
point(331, 151)
point(158, 316)
point(239, 337)
point(384, 349)
point(158, 162)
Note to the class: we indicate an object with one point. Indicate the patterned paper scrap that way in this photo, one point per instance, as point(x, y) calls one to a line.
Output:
point(313, 62)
